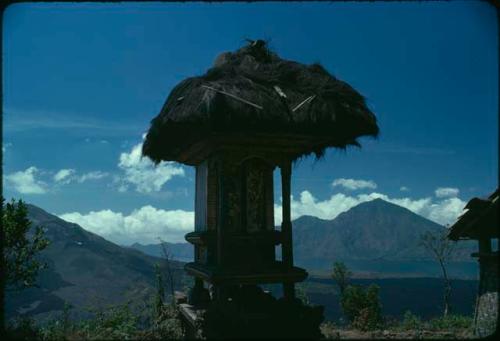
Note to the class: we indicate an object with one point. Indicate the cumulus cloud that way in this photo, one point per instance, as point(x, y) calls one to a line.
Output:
point(446, 192)
point(142, 225)
point(353, 184)
point(142, 173)
point(444, 211)
point(147, 223)
point(25, 182)
point(64, 176)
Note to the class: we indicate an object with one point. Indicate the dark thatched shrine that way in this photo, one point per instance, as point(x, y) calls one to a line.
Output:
point(480, 222)
point(248, 114)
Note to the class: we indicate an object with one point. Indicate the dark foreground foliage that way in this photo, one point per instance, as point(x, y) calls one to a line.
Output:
point(20, 247)
point(114, 323)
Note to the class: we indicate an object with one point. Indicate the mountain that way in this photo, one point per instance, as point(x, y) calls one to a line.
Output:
point(374, 238)
point(85, 270)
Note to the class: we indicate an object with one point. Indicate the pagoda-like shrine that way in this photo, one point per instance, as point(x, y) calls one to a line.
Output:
point(480, 222)
point(249, 114)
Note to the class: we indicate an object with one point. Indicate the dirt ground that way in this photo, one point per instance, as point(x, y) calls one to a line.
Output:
point(333, 333)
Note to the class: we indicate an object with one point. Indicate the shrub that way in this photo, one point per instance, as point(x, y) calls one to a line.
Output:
point(22, 328)
point(362, 306)
point(411, 321)
point(167, 326)
point(451, 322)
point(366, 320)
point(58, 329)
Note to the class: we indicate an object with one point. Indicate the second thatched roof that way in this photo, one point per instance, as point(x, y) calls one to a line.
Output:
point(253, 91)
point(479, 220)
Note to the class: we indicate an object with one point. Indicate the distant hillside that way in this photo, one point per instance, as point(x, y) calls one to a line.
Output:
point(181, 251)
point(375, 238)
point(85, 270)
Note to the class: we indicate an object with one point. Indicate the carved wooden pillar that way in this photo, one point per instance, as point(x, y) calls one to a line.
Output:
point(286, 227)
point(221, 221)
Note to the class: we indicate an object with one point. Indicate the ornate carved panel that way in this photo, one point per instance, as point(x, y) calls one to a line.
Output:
point(255, 175)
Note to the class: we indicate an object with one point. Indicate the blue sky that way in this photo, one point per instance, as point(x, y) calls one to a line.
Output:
point(81, 82)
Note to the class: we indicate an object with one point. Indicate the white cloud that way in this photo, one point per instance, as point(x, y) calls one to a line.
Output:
point(404, 189)
point(64, 176)
point(18, 119)
point(143, 173)
point(25, 182)
point(143, 225)
point(446, 211)
point(95, 175)
point(353, 184)
point(446, 192)
point(147, 223)
point(442, 212)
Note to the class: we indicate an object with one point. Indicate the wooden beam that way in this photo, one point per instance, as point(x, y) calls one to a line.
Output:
point(286, 226)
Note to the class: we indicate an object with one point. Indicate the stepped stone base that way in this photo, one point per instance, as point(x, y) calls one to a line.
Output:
point(252, 313)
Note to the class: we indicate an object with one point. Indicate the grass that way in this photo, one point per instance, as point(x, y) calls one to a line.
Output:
point(410, 327)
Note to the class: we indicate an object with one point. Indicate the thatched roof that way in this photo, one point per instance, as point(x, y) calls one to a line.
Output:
point(480, 219)
point(253, 91)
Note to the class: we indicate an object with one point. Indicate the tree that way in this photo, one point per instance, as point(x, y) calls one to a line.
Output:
point(341, 275)
point(160, 293)
point(168, 257)
point(442, 248)
point(20, 251)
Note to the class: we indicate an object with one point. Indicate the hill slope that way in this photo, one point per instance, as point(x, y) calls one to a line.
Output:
point(181, 251)
point(84, 270)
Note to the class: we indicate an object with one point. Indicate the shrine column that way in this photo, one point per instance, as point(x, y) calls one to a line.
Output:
point(286, 227)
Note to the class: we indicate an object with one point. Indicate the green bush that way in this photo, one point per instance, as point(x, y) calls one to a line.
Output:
point(451, 322)
point(22, 328)
point(166, 326)
point(362, 306)
point(114, 323)
point(411, 321)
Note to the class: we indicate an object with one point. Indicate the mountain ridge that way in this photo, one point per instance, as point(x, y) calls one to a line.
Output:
point(84, 269)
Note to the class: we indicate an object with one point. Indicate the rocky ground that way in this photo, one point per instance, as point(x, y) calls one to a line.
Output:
point(339, 333)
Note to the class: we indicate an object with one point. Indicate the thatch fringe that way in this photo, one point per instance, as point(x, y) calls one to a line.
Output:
point(239, 94)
